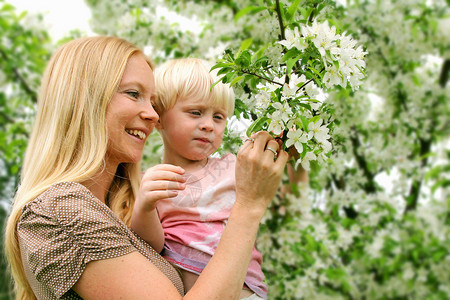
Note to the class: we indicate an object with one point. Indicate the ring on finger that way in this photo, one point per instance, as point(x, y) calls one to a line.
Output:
point(249, 139)
point(272, 150)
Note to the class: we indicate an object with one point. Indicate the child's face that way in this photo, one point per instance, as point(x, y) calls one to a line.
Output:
point(192, 130)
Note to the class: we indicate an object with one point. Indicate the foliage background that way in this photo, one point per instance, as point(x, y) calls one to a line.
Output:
point(350, 235)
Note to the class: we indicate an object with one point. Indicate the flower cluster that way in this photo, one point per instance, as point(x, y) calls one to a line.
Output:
point(289, 98)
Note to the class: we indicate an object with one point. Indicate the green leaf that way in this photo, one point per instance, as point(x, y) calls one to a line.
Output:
point(244, 59)
point(245, 44)
point(315, 119)
point(7, 7)
point(292, 9)
point(260, 61)
point(219, 80)
point(248, 10)
point(258, 54)
point(222, 65)
point(305, 12)
point(290, 64)
point(289, 54)
point(257, 125)
point(224, 71)
point(236, 80)
point(305, 123)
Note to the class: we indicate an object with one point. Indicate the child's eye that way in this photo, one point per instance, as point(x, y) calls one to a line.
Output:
point(219, 117)
point(195, 112)
point(133, 94)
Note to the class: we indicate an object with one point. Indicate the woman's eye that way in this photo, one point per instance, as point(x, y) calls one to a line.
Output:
point(133, 94)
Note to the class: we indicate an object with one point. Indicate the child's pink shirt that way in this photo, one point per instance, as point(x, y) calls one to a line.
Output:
point(194, 221)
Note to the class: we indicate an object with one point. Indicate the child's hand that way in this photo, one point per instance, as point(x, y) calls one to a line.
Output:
point(159, 182)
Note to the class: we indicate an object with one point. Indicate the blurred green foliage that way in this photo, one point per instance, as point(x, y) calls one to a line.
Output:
point(24, 52)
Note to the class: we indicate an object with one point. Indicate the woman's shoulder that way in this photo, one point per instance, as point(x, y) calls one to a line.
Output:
point(63, 189)
point(64, 199)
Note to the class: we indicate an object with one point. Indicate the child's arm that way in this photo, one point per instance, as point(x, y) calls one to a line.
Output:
point(159, 182)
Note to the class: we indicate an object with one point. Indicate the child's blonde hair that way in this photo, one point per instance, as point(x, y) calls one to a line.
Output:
point(180, 79)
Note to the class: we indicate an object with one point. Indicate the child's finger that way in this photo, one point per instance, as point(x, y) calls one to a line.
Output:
point(160, 185)
point(166, 167)
point(163, 175)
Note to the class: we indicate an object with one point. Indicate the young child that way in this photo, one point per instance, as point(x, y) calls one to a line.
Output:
point(194, 201)
point(192, 122)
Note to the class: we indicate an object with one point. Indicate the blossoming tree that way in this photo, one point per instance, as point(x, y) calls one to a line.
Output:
point(296, 67)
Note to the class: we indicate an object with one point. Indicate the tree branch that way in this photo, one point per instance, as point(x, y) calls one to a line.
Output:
point(370, 186)
point(261, 77)
point(425, 148)
point(444, 73)
point(414, 191)
point(311, 16)
point(280, 20)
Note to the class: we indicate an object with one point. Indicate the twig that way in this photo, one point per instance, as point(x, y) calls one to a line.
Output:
point(305, 84)
point(362, 163)
point(261, 77)
point(280, 20)
point(444, 73)
point(311, 16)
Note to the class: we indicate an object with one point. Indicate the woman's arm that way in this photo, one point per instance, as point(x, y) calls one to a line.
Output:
point(159, 182)
point(133, 277)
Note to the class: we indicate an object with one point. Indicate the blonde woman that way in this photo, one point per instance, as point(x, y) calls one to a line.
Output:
point(70, 234)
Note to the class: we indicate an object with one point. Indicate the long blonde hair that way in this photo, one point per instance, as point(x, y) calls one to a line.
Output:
point(69, 138)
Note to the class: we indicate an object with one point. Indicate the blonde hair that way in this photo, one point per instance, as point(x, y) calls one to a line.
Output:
point(180, 79)
point(69, 138)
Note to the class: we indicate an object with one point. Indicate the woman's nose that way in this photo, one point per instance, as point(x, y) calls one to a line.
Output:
point(149, 113)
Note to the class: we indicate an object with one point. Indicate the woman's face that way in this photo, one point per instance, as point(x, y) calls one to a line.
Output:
point(130, 116)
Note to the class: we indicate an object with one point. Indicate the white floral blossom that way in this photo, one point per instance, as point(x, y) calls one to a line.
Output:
point(349, 59)
point(305, 161)
point(276, 124)
point(283, 110)
point(296, 138)
point(326, 146)
point(295, 80)
point(318, 131)
point(355, 80)
point(293, 39)
point(324, 37)
point(312, 90)
point(262, 100)
point(270, 86)
point(291, 90)
point(332, 77)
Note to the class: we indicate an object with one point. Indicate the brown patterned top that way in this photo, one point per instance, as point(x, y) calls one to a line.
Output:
point(65, 228)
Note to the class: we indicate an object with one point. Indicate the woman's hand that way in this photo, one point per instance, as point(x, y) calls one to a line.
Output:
point(259, 167)
point(159, 182)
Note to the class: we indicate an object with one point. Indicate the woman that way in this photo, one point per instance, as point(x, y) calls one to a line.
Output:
point(68, 234)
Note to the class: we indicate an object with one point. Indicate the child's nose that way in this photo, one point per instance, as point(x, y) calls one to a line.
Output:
point(207, 124)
